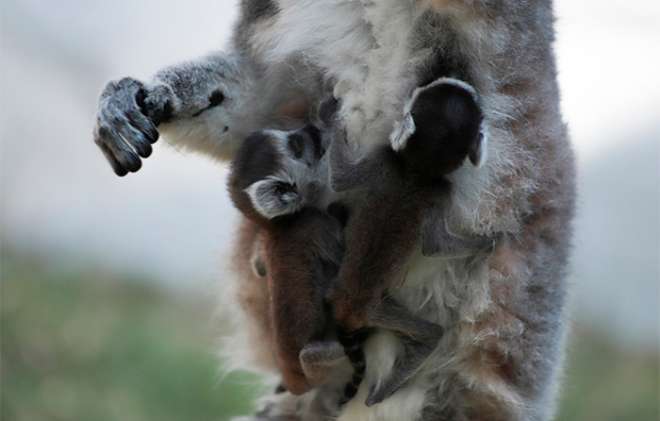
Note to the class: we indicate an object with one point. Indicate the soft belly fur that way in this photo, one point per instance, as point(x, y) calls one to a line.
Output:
point(503, 311)
point(362, 46)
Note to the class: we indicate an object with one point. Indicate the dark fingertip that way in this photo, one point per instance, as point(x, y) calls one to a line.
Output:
point(145, 150)
point(135, 165)
point(116, 166)
point(120, 171)
point(103, 132)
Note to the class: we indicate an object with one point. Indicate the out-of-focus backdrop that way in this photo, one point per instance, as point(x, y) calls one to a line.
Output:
point(108, 284)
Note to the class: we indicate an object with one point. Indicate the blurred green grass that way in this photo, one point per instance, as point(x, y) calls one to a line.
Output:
point(88, 345)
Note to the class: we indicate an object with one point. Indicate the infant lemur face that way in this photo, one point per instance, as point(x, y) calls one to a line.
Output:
point(288, 177)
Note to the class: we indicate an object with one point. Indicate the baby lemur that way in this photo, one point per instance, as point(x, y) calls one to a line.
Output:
point(403, 195)
point(279, 180)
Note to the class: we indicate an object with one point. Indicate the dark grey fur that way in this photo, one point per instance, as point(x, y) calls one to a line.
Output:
point(501, 355)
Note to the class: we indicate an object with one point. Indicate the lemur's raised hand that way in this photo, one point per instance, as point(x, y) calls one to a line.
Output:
point(209, 106)
point(404, 196)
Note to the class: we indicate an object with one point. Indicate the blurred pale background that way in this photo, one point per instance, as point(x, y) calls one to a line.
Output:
point(108, 283)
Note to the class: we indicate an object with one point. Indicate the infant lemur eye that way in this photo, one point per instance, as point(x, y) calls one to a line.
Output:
point(306, 143)
point(296, 145)
point(283, 188)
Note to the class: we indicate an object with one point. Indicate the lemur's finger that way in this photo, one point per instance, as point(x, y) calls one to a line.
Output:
point(113, 145)
point(116, 166)
point(136, 138)
point(143, 124)
point(122, 152)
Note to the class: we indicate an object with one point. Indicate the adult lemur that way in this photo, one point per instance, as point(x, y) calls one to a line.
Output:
point(503, 312)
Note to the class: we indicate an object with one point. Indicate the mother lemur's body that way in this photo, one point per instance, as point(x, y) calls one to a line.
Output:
point(504, 311)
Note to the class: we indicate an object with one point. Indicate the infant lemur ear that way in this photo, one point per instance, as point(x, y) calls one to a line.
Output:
point(448, 112)
point(274, 197)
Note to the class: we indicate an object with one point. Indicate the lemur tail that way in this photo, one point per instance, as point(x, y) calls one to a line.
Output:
point(352, 343)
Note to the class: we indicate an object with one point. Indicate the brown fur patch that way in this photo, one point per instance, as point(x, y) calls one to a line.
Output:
point(505, 259)
point(294, 109)
point(253, 296)
point(485, 351)
point(480, 406)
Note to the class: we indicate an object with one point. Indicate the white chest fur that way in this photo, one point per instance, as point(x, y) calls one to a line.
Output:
point(362, 44)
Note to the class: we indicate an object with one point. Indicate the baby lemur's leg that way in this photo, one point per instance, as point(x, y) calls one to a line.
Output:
point(346, 173)
point(419, 337)
point(380, 238)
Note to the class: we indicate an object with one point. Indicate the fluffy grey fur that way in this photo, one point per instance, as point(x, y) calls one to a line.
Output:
point(503, 312)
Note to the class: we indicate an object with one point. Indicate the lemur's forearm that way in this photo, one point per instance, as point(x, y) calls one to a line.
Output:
point(192, 87)
point(222, 98)
point(208, 105)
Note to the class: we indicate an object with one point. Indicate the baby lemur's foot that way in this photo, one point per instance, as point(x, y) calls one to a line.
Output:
point(319, 358)
point(420, 338)
point(405, 367)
